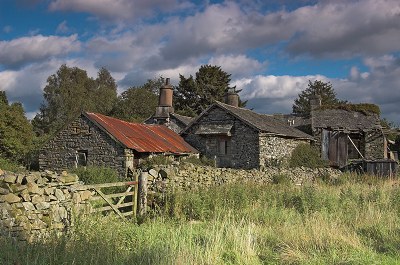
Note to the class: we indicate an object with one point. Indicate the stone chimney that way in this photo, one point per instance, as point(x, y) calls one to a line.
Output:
point(164, 107)
point(232, 97)
point(315, 101)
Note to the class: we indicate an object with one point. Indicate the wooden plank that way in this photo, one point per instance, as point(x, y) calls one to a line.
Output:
point(122, 205)
point(96, 198)
point(127, 213)
point(128, 193)
point(109, 202)
point(135, 197)
point(115, 184)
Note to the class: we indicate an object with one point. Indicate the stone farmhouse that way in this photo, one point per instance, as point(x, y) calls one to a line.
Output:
point(98, 140)
point(240, 138)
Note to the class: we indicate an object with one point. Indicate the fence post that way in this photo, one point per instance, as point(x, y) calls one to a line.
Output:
point(143, 193)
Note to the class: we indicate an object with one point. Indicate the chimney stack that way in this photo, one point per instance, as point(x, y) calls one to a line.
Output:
point(164, 107)
point(315, 101)
point(232, 97)
point(166, 93)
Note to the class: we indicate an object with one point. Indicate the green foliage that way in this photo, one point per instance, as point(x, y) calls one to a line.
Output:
point(365, 108)
point(8, 165)
point(194, 95)
point(135, 104)
point(281, 179)
point(325, 90)
point(16, 133)
point(202, 161)
point(69, 92)
point(156, 160)
point(305, 155)
point(96, 175)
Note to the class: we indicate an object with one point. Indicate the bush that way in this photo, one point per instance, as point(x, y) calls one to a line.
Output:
point(150, 162)
point(8, 165)
point(202, 161)
point(305, 155)
point(96, 175)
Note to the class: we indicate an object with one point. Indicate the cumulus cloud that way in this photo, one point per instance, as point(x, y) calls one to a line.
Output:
point(36, 48)
point(272, 94)
point(116, 9)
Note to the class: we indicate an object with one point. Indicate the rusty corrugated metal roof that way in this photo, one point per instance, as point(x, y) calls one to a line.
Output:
point(142, 137)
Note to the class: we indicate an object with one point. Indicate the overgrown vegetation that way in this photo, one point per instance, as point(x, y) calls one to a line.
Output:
point(201, 161)
point(96, 175)
point(8, 165)
point(354, 222)
point(305, 155)
point(365, 108)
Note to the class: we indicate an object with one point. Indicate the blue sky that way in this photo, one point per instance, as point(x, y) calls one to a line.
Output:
point(271, 48)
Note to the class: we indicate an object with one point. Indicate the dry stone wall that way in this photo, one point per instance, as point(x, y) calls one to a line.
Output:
point(191, 177)
point(34, 205)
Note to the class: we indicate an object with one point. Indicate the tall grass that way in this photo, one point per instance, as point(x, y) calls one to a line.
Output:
point(352, 221)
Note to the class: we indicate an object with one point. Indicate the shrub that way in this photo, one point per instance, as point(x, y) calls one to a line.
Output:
point(8, 165)
point(150, 162)
point(202, 161)
point(96, 175)
point(306, 156)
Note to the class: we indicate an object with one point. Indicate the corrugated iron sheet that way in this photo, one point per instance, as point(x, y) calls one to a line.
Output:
point(143, 137)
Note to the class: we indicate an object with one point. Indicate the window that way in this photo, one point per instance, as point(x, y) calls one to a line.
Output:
point(81, 158)
point(224, 146)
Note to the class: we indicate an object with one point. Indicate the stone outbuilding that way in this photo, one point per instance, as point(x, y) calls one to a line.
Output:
point(240, 138)
point(344, 135)
point(165, 113)
point(98, 140)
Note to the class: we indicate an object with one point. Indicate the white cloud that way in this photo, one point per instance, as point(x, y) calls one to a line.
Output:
point(30, 49)
point(238, 65)
point(62, 27)
point(116, 9)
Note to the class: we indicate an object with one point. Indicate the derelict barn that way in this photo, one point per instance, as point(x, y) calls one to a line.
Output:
point(240, 138)
point(345, 135)
point(98, 140)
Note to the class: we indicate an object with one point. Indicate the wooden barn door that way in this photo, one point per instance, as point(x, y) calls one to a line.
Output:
point(338, 149)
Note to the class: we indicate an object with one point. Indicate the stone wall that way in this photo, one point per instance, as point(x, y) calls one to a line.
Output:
point(34, 205)
point(275, 151)
point(192, 177)
point(82, 136)
point(374, 145)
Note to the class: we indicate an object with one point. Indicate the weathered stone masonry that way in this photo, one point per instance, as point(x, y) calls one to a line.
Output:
point(60, 153)
point(244, 144)
point(36, 205)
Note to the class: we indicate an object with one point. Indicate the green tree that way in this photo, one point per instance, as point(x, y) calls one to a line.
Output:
point(193, 95)
point(69, 92)
point(136, 104)
point(325, 90)
point(16, 132)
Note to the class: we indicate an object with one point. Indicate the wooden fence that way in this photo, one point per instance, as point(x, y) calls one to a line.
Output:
point(108, 198)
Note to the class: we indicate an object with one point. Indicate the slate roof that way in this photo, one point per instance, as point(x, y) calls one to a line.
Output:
point(261, 122)
point(344, 119)
point(148, 138)
point(184, 119)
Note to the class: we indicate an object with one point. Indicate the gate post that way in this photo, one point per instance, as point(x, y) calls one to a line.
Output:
point(143, 193)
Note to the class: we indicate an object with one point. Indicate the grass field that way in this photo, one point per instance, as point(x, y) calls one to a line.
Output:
point(355, 220)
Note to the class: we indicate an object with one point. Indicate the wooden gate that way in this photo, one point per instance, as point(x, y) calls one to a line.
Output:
point(108, 199)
